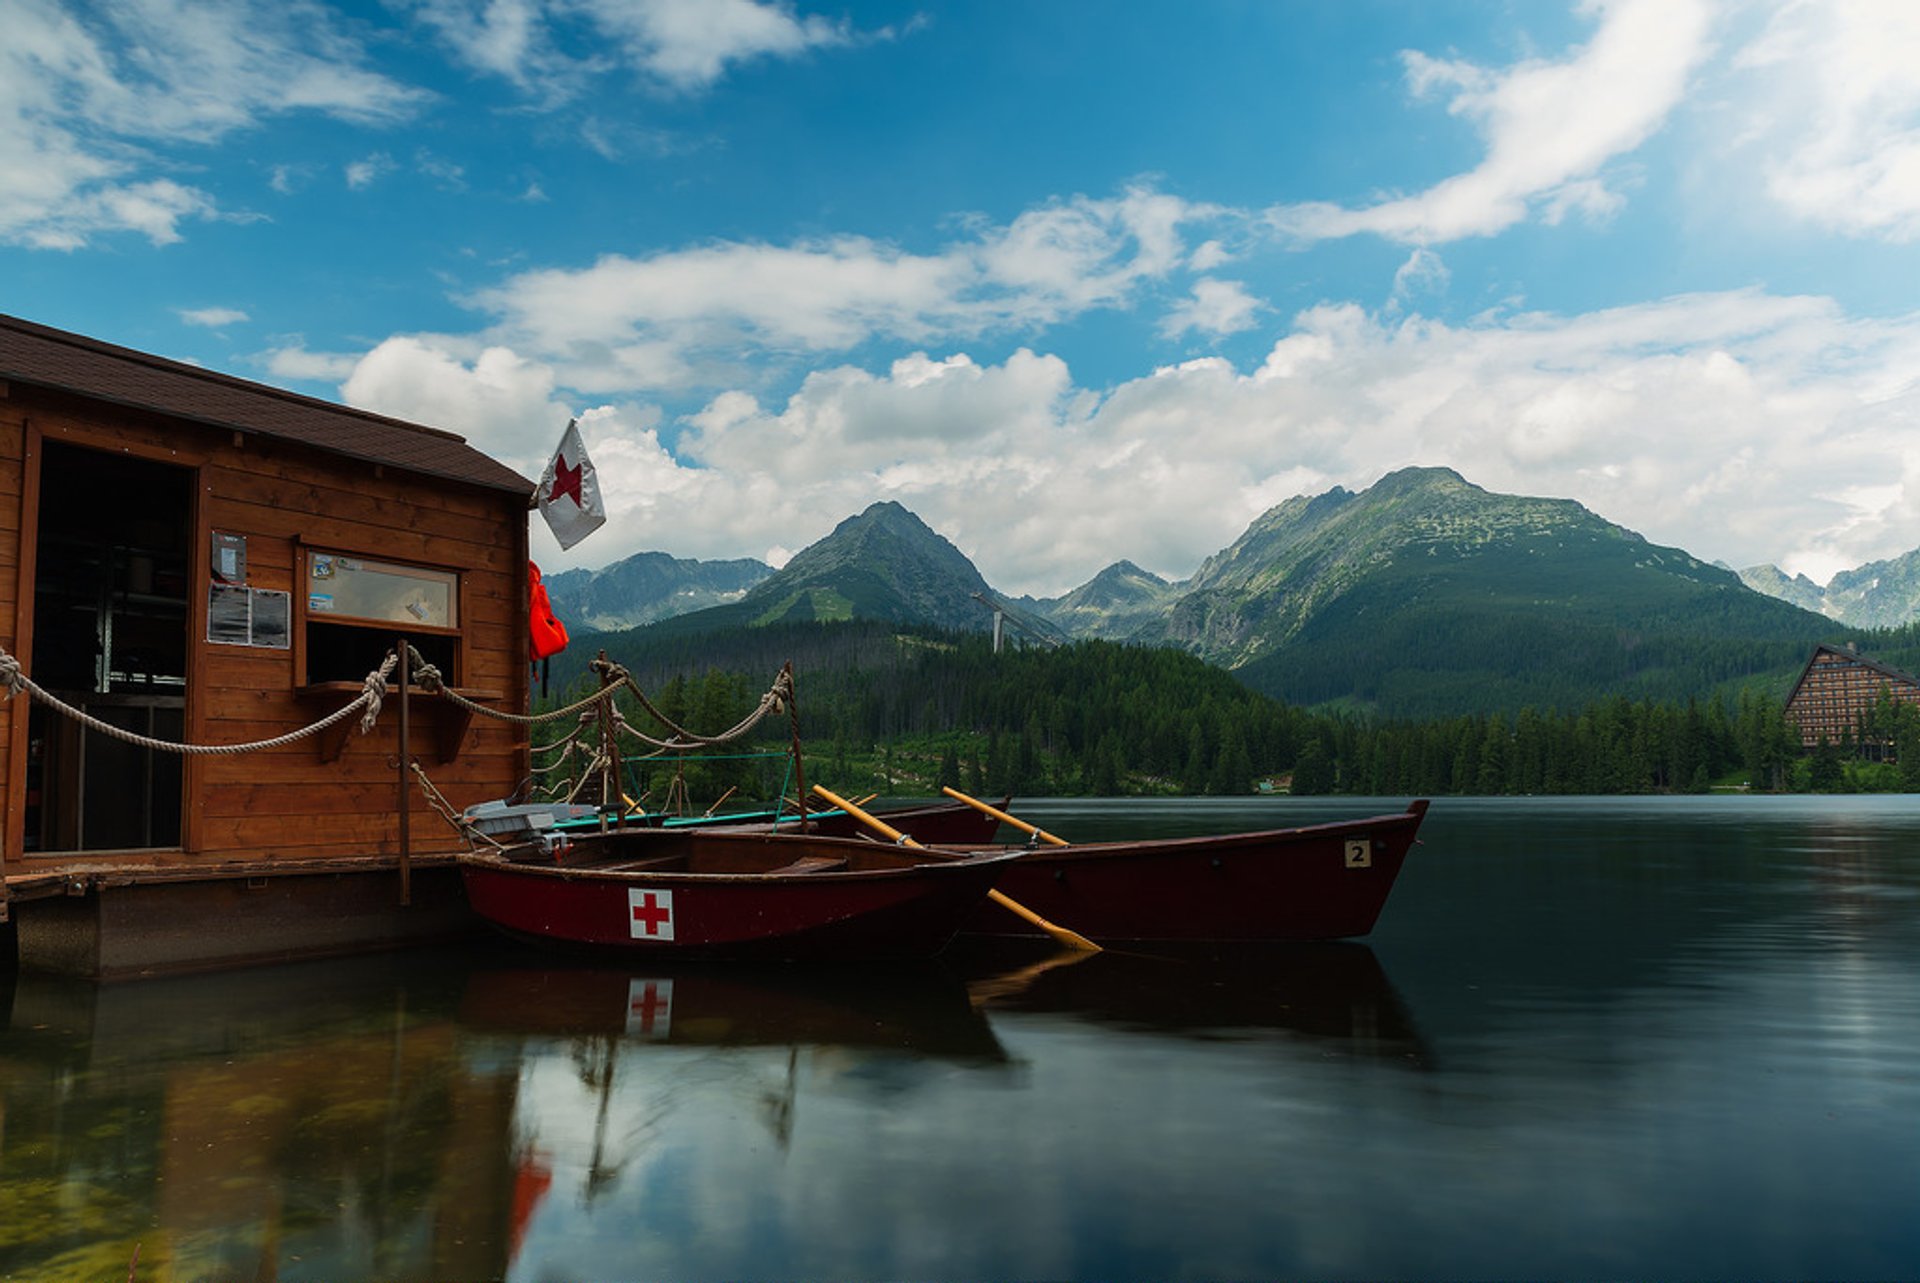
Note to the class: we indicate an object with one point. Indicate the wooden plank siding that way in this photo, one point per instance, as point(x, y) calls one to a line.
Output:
point(13, 582)
point(285, 497)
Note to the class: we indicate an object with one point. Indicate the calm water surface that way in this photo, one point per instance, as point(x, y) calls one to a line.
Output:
point(1673, 1038)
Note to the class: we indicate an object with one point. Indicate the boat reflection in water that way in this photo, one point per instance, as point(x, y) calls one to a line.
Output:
point(917, 1009)
point(1334, 994)
point(495, 1114)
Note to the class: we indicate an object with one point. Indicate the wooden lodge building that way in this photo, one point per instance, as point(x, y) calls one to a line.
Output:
point(1837, 689)
point(197, 558)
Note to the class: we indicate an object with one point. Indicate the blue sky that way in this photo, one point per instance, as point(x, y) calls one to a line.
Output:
point(1074, 281)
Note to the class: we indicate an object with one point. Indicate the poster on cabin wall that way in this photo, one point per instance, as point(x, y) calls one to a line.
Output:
point(242, 616)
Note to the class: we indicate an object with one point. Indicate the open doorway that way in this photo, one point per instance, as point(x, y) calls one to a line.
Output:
point(111, 580)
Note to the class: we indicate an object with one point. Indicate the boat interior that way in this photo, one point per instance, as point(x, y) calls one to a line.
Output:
point(658, 851)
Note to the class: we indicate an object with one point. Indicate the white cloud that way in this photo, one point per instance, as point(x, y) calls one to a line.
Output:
point(446, 174)
point(673, 319)
point(290, 178)
point(502, 402)
point(690, 44)
point(1210, 255)
point(1734, 425)
point(211, 317)
point(505, 38)
point(1836, 100)
point(90, 104)
point(1215, 307)
point(362, 174)
point(1550, 128)
point(552, 48)
point(296, 363)
point(1424, 272)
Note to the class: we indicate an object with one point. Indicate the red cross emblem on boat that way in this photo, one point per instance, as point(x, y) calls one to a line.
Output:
point(649, 1007)
point(650, 913)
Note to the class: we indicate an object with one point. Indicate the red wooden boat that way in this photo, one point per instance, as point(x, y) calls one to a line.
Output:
point(1317, 882)
point(663, 892)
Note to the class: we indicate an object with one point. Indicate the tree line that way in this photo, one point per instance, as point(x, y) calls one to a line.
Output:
point(881, 708)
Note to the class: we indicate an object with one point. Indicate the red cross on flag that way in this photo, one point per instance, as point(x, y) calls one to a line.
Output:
point(650, 913)
point(569, 493)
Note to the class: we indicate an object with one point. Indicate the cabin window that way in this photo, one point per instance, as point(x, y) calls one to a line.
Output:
point(110, 637)
point(355, 608)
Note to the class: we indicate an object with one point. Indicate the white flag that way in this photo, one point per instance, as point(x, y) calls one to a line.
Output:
point(569, 494)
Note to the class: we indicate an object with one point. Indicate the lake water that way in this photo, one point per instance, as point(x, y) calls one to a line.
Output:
point(1591, 1038)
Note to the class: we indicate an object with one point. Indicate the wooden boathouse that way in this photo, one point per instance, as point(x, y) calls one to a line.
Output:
point(196, 558)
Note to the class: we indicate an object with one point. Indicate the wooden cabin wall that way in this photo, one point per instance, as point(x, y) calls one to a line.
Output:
point(287, 803)
point(13, 435)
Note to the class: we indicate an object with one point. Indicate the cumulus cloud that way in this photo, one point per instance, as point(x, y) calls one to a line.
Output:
point(92, 99)
point(666, 320)
point(1550, 128)
point(504, 403)
point(1837, 102)
point(1736, 425)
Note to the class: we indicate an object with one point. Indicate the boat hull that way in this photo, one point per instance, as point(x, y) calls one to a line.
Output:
point(732, 898)
point(1318, 882)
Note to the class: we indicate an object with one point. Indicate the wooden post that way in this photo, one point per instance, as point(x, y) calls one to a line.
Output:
point(613, 784)
point(406, 785)
point(799, 765)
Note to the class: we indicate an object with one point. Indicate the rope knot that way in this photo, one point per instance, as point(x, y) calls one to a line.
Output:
point(425, 675)
point(373, 690)
point(10, 675)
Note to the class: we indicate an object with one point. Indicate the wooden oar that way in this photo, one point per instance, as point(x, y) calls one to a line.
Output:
point(1073, 939)
point(1002, 816)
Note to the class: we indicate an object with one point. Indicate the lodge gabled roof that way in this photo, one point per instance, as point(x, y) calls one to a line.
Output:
point(1885, 670)
point(45, 357)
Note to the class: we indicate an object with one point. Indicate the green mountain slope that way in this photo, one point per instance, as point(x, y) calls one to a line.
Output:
point(884, 564)
point(1426, 594)
point(1116, 603)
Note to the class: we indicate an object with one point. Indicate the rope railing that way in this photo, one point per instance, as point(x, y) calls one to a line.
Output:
point(601, 727)
point(590, 713)
point(614, 677)
point(373, 690)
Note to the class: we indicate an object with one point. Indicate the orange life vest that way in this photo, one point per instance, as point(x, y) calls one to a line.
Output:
point(549, 634)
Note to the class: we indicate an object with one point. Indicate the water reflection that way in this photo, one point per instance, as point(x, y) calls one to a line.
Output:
point(1335, 996)
point(1606, 1040)
point(314, 1121)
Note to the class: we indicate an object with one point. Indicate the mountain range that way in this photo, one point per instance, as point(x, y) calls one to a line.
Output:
point(1423, 595)
point(648, 587)
point(1880, 594)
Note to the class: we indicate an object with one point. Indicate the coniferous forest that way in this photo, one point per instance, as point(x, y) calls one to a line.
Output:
point(887, 710)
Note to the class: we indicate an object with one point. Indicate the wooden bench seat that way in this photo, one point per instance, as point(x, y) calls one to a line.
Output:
point(813, 864)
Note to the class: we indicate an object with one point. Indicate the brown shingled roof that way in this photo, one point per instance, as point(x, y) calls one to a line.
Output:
point(39, 355)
